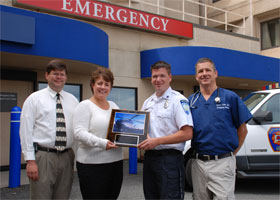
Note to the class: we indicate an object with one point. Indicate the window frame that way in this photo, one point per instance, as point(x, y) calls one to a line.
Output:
point(74, 84)
point(136, 94)
point(262, 33)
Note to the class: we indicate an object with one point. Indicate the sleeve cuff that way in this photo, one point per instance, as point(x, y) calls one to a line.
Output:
point(29, 156)
point(103, 143)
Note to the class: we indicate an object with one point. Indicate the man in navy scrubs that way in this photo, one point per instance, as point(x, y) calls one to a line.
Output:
point(219, 118)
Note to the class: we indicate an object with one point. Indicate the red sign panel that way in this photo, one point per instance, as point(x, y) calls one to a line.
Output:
point(97, 10)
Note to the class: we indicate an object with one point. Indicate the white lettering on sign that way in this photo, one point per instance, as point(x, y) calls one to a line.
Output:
point(121, 19)
point(109, 13)
point(97, 10)
point(152, 22)
point(118, 15)
point(143, 19)
point(65, 4)
point(80, 8)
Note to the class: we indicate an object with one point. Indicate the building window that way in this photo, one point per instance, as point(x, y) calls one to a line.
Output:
point(125, 98)
point(75, 89)
point(270, 34)
point(214, 1)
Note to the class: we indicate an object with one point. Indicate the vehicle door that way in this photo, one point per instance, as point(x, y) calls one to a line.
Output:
point(262, 143)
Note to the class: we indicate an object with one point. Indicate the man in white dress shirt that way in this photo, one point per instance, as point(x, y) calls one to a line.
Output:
point(50, 169)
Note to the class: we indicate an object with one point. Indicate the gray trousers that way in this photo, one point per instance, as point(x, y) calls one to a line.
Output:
point(55, 175)
point(214, 179)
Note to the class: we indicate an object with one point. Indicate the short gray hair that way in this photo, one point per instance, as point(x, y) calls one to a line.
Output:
point(204, 60)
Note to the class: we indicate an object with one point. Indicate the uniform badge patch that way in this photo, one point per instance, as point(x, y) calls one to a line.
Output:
point(185, 106)
point(274, 138)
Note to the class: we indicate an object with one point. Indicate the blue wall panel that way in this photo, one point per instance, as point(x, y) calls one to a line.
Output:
point(229, 63)
point(17, 28)
point(61, 38)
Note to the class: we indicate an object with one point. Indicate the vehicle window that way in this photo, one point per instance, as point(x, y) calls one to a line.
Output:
point(253, 99)
point(273, 105)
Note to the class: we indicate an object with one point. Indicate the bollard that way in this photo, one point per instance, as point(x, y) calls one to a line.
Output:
point(132, 160)
point(15, 148)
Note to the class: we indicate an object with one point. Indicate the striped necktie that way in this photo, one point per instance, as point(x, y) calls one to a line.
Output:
point(60, 140)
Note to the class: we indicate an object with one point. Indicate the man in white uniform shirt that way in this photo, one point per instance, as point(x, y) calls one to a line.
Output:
point(170, 126)
point(50, 169)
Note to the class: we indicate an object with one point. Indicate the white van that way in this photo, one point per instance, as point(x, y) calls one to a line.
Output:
point(260, 154)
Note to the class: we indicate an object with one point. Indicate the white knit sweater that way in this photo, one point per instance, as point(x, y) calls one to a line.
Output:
point(90, 124)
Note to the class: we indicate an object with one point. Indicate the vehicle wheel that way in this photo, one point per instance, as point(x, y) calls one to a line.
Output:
point(188, 176)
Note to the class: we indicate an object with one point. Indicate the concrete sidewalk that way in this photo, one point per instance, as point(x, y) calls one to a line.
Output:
point(131, 189)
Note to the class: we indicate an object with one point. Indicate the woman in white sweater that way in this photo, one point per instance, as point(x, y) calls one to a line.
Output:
point(99, 161)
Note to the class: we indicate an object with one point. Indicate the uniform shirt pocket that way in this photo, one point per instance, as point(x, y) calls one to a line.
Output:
point(164, 121)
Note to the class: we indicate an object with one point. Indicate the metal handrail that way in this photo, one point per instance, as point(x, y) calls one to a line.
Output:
point(205, 17)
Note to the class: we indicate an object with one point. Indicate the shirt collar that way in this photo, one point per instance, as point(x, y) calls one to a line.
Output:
point(166, 95)
point(53, 93)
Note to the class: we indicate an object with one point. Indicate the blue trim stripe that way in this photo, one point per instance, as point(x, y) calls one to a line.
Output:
point(229, 63)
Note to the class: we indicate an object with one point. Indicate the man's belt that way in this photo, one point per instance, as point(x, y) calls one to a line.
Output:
point(40, 148)
point(212, 157)
point(162, 152)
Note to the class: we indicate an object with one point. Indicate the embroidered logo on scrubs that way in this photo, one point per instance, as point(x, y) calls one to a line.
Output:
point(223, 106)
point(274, 138)
point(185, 106)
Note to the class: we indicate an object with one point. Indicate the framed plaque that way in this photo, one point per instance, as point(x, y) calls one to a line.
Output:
point(127, 127)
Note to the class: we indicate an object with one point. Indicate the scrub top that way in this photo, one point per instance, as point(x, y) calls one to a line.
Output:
point(168, 114)
point(216, 123)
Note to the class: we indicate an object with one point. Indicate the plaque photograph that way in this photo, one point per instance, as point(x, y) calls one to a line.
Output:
point(127, 127)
